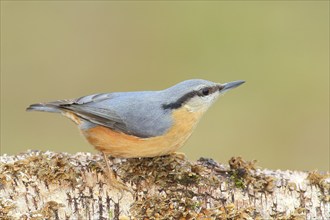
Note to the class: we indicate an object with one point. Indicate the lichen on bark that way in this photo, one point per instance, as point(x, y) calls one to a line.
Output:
point(49, 185)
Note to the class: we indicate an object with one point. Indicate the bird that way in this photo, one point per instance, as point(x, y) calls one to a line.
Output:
point(140, 123)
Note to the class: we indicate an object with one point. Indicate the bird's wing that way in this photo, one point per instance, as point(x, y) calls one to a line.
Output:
point(90, 109)
point(127, 112)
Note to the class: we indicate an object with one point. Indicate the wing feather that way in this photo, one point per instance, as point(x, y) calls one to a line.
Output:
point(85, 108)
point(101, 116)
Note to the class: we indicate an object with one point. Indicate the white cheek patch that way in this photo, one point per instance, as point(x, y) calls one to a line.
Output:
point(201, 103)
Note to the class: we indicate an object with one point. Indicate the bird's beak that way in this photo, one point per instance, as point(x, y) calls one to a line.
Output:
point(228, 86)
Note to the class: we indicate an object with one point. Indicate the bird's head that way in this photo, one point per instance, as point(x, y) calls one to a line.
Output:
point(196, 94)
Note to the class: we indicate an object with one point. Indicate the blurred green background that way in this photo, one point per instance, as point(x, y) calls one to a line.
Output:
point(56, 49)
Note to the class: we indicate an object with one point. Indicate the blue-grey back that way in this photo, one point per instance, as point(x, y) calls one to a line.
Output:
point(141, 112)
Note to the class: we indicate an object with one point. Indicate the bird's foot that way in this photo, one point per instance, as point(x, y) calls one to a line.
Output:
point(111, 177)
point(114, 182)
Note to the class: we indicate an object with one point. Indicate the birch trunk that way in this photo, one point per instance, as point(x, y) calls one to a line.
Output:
point(49, 185)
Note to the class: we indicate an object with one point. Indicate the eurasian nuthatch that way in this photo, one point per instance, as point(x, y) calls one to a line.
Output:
point(140, 124)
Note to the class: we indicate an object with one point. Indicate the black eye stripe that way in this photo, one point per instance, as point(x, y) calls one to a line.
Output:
point(180, 101)
point(185, 98)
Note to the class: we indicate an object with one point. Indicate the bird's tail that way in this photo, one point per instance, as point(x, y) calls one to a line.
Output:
point(49, 107)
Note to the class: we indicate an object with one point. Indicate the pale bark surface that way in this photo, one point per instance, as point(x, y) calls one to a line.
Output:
point(49, 185)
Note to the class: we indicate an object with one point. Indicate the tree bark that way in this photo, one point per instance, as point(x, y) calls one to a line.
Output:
point(49, 185)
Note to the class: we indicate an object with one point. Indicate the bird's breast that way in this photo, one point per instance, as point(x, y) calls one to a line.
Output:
point(123, 145)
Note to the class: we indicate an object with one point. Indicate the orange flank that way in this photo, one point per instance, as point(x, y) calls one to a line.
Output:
point(122, 145)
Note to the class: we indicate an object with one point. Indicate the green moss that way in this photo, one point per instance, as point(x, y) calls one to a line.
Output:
point(46, 168)
point(237, 179)
point(242, 174)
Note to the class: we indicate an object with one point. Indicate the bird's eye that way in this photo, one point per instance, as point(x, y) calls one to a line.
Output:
point(205, 91)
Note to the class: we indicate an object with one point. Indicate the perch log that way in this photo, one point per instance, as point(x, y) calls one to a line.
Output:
point(48, 185)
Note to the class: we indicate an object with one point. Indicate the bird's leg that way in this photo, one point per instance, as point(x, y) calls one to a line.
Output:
point(112, 177)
